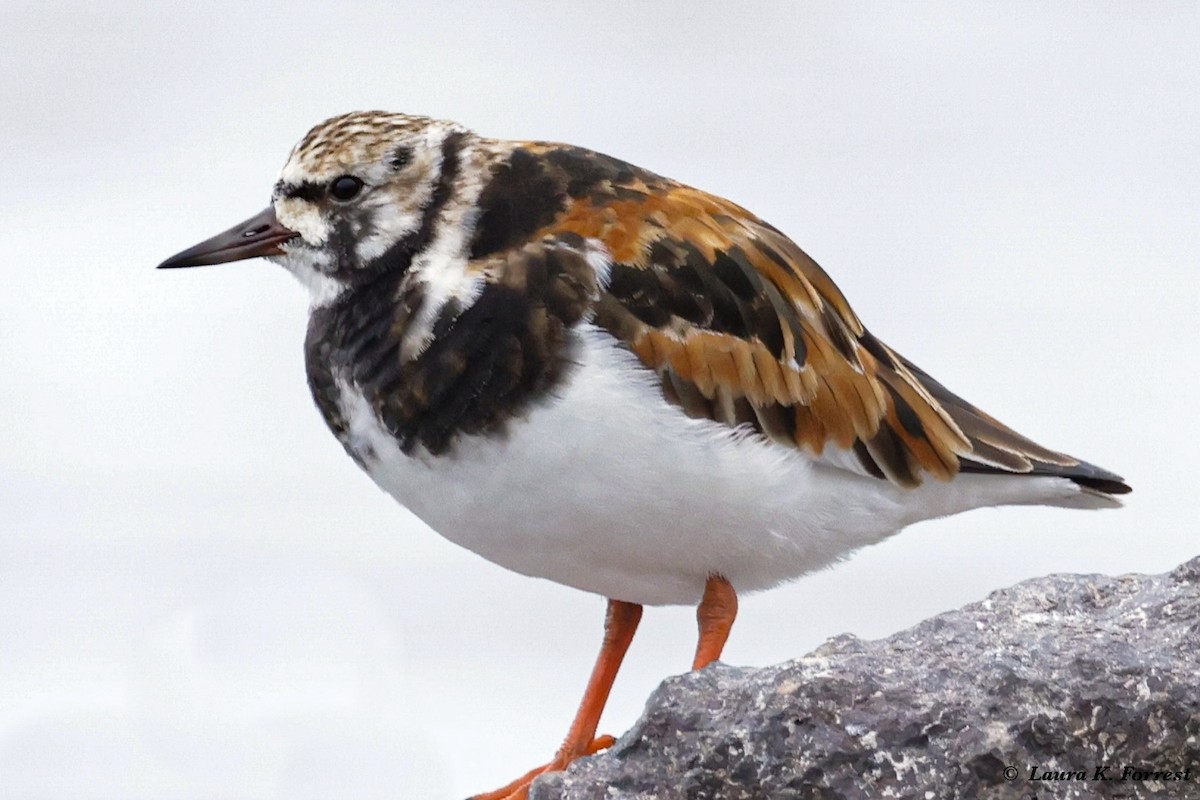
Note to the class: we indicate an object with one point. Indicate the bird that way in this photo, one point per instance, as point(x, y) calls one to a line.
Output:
point(590, 373)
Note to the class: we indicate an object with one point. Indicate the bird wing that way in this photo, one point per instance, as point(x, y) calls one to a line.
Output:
point(744, 328)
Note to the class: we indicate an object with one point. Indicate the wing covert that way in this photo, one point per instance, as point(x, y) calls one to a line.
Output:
point(744, 328)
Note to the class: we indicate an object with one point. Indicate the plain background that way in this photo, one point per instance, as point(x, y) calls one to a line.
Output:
point(201, 596)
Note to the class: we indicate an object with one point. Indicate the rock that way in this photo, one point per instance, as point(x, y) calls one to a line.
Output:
point(1029, 693)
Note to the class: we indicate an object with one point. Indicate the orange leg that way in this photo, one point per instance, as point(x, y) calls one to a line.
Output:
point(620, 623)
point(714, 616)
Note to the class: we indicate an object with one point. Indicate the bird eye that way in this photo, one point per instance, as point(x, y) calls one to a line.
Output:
point(345, 187)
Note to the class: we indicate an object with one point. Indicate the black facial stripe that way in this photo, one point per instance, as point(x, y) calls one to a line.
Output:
point(359, 330)
point(308, 190)
point(398, 257)
point(342, 243)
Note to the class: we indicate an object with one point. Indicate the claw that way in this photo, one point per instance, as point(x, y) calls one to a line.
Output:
point(519, 789)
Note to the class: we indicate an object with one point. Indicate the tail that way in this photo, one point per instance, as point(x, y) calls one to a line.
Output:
point(999, 450)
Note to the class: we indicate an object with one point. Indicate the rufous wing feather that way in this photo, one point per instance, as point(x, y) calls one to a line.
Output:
point(743, 327)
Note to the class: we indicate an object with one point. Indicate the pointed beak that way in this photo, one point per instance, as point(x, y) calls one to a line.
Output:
point(261, 235)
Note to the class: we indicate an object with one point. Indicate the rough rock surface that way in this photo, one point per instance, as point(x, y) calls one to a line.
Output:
point(1063, 673)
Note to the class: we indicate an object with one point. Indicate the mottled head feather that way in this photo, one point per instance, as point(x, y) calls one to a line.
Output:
point(412, 173)
point(360, 137)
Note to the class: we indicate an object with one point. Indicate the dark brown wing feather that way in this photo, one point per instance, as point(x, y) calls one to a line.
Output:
point(996, 448)
point(745, 328)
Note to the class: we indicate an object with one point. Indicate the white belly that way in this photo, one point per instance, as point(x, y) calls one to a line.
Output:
point(609, 489)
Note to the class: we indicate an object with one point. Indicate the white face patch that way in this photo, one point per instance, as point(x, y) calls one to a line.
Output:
point(392, 211)
point(399, 161)
point(304, 218)
point(311, 267)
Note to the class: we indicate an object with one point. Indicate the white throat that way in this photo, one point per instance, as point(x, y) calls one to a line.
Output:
point(306, 265)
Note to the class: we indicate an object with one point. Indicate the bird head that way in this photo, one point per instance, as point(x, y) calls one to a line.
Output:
point(359, 194)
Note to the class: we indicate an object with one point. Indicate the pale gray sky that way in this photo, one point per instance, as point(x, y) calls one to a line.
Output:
point(201, 596)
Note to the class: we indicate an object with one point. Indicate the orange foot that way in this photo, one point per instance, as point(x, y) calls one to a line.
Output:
point(519, 789)
point(581, 740)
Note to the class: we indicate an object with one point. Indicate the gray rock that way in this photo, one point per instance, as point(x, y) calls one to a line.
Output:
point(1063, 673)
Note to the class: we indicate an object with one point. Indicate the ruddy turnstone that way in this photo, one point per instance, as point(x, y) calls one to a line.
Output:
point(586, 372)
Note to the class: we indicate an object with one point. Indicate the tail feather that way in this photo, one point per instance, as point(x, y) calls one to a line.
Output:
point(999, 450)
point(1088, 476)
